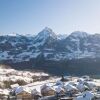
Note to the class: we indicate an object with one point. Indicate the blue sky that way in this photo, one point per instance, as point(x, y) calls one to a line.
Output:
point(63, 16)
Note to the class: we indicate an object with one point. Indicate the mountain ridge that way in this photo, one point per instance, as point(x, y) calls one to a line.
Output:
point(74, 46)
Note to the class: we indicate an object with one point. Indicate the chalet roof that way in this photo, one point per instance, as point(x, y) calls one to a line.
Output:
point(22, 89)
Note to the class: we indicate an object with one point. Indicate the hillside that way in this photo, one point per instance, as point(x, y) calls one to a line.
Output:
point(48, 51)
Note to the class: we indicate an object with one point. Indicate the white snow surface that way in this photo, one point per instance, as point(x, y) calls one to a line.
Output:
point(87, 95)
point(14, 75)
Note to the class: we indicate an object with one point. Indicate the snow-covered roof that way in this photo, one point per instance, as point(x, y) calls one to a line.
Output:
point(59, 83)
point(22, 89)
point(35, 92)
point(80, 86)
point(87, 95)
point(58, 88)
point(81, 80)
point(70, 87)
point(46, 85)
point(91, 84)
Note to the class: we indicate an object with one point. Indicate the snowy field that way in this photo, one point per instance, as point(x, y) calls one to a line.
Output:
point(10, 76)
point(15, 83)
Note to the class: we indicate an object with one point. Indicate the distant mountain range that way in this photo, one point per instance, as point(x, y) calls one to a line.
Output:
point(47, 46)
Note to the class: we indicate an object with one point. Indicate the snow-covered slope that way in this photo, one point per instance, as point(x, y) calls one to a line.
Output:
point(49, 46)
point(12, 76)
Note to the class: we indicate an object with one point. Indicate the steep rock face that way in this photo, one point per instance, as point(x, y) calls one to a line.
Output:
point(46, 39)
point(76, 43)
point(49, 46)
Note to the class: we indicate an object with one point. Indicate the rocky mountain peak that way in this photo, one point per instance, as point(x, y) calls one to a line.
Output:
point(79, 34)
point(47, 32)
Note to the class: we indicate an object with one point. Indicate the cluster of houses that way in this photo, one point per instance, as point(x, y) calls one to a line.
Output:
point(67, 88)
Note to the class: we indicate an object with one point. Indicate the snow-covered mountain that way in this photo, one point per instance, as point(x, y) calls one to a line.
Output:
point(49, 46)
